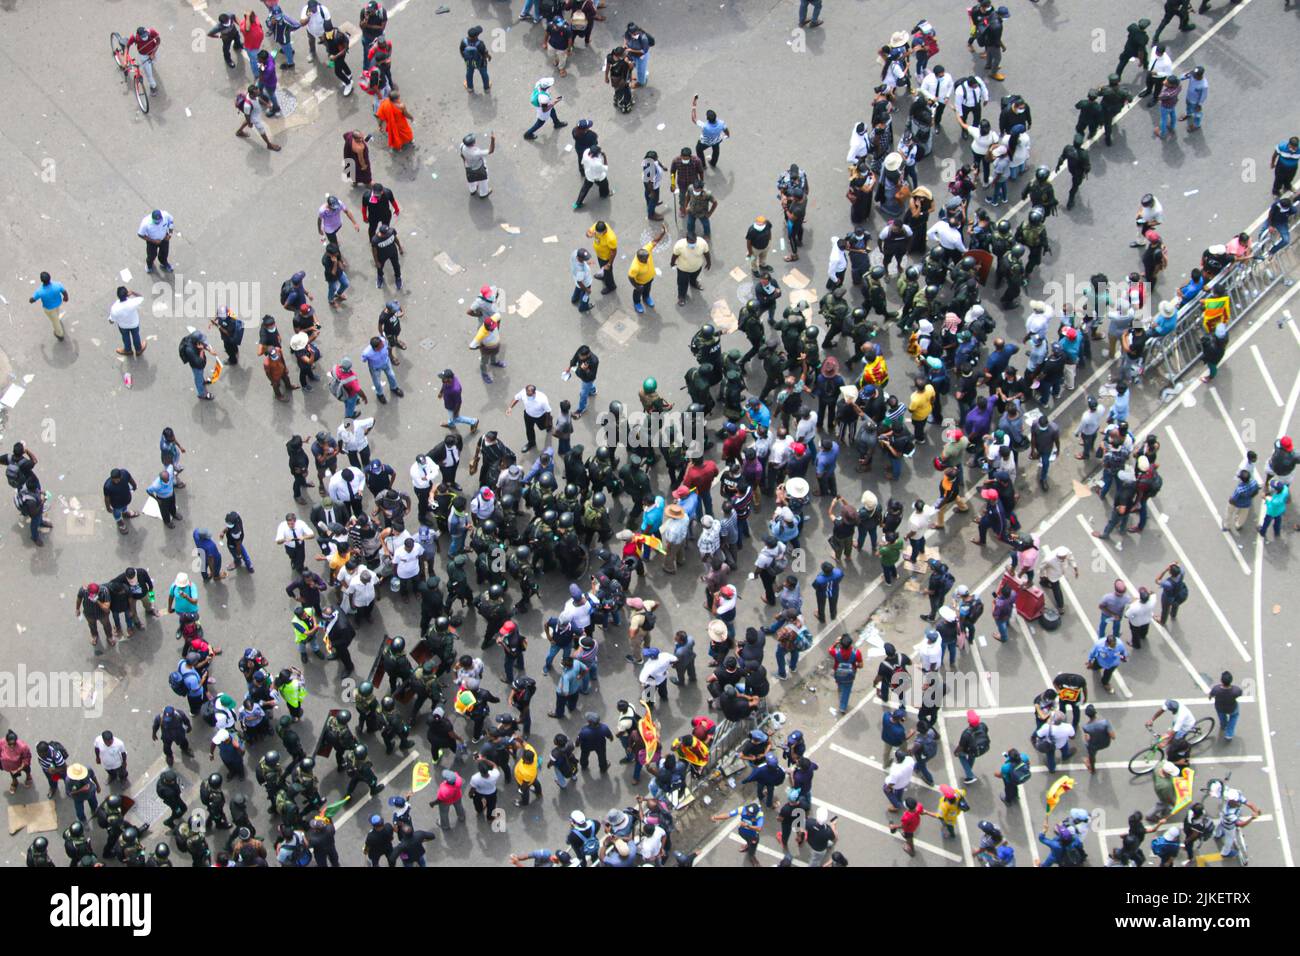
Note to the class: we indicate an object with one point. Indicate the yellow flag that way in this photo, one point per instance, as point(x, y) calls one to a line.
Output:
point(1058, 790)
point(421, 774)
point(1183, 790)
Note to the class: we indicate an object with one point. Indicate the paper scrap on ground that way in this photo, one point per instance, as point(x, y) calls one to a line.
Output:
point(10, 398)
point(738, 274)
point(527, 304)
point(1081, 490)
point(795, 279)
point(550, 239)
point(513, 230)
point(500, 249)
point(151, 508)
point(447, 266)
point(39, 817)
point(723, 317)
point(125, 275)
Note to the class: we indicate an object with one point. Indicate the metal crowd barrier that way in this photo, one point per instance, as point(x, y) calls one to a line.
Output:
point(1245, 283)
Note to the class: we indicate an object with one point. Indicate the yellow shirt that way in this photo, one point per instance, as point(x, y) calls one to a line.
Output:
point(526, 773)
point(642, 272)
point(605, 243)
point(921, 403)
point(950, 810)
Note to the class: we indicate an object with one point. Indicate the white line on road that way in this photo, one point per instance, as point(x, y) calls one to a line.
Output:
point(884, 828)
point(765, 850)
point(1268, 379)
point(1073, 598)
point(1186, 564)
point(875, 764)
point(1029, 708)
point(1123, 764)
point(1030, 836)
point(1215, 515)
point(1033, 649)
point(1232, 426)
point(356, 805)
point(1178, 651)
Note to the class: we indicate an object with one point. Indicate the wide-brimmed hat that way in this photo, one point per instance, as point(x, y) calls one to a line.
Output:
point(674, 511)
point(77, 771)
point(894, 162)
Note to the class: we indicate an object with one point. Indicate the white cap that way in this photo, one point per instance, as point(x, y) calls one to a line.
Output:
point(823, 815)
point(948, 614)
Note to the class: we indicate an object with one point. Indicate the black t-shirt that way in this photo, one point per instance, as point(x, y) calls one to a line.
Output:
point(558, 35)
point(331, 266)
point(620, 70)
point(587, 374)
point(379, 205)
point(759, 238)
point(1225, 698)
point(389, 324)
point(736, 708)
point(385, 245)
point(819, 835)
point(119, 493)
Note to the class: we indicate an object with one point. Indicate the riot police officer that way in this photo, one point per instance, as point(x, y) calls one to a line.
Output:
point(1040, 193)
point(168, 789)
point(1075, 158)
point(338, 734)
point(356, 764)
point(396, 730)
point(214, 799)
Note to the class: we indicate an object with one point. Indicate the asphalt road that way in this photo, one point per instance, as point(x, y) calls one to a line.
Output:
point(90, 166)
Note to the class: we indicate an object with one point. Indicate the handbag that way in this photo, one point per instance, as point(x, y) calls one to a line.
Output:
point(476, 175)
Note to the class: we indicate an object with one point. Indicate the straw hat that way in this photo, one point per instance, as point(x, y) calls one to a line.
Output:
point(77, 771)
point(899, 38)
point(674, 511)
point(893, 162)
point(797, 488)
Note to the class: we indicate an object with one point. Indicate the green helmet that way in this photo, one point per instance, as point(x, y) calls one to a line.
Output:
point(650, 385)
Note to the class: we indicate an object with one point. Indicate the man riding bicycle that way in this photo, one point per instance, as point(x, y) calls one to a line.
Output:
point(1184, 719)
point(146, 42)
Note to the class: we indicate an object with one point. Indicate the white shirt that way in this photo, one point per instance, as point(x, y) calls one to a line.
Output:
point(1037, 322)
point(110, 755)
point(919, 524)
point(299, 532)
point(805, 430)
point(779, 453)
point(425, 475)
point(900, 774)
point(1140, 613)
point(407, 562)
point(156, 231)
point(126, 313)
point(652, 844)
point(485, 784)
point(652, 173)
point(655, 671)
point(594, 167)
point(947, 236)
point(857, 146)
point(543, 105)
point(1162, 65)
point(839, 262)
point(930, 654)
point(339, 489)
point(1184, 720)
point(1152, 215)
point(936, 88)
point(983, 142)
point(535, 405)
point(1060, 734)
point(1053, 568)
point(360, 593)
point(726, 604)
point(967, 95)
point(315, 24)
point(354, 438)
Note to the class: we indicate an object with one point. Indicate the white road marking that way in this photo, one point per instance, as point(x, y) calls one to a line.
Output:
point(884, 828)
point(1268, 379)
point(1232, 427)
point(875, 764)
point(1030, 836)
point(1123, 764)
point(1029, 709)
point(355, 805)
point(1215, 515)
point(962, 833)
point(1073, 598)
point(765, 850)
point(1033, 649)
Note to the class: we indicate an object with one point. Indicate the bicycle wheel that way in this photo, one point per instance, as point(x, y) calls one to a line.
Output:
point(1145, 761)
point(1204, 727)
point(118, 46)
point(141, 93)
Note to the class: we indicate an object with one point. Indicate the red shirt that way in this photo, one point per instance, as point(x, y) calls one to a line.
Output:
point(701, 476)
point(16, 757)
point(449, 793)
point(910, 821)
point(251, 33)
point(734, 445)
point(148, 46)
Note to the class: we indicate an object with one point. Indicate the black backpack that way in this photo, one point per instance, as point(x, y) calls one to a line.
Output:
point(188, 353)
point(979, 739)
point(286, 290)
point(14, 474)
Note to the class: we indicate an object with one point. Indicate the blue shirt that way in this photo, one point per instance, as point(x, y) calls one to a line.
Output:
point(162, 489)
point(1197, 91)
point(376, 358)
point(759, 415)
point(50, 295)
point(710, 133)
point(1119, 410)
point(826, 459)
point(1287, 158)
point(828, 583)
point(208, 547)
point(1107, 657)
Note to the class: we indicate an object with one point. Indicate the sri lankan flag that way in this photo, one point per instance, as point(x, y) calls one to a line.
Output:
point(649, 733)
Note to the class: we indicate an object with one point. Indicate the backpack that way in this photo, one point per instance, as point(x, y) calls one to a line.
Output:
point(803, 640)
point(844, 669)
point(535, 99)
point(176, 680)
point(929, 746)
point(1154, 485)
point(29, 503)
point(1180, 592)
point(979, 739)
point(14, 474)
point(241, 101)
point(187, 352)
point(286, 291)
point(1021, 772)
point(1074, 855)
point(336, 386)
point(1165, 849)
point(975, 612)
point(469, 51)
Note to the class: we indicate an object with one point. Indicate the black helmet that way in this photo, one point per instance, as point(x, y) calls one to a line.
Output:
point(398, 644)
point(214, 780)
point(1003, 227)
point(1041, 173)
point(859, 313)
point(616, 408)
point(707, 330)
point(508, 501)
point(388, 704)
point(365, 687)
point(442, 623)
point(547, 480)
point(878, 272)
point(549, 517)
point(1036, 216)
point(496, 591)
point(599, 499)
point(967, 263)
point(913, 272)
point(752, 305)
point(307, 763)
point(523, 553)
point(115, 802)
point(272, 758)
point(77, 829)
point(162, 851)
point(932, 292)
point(490, 528)
point(810, 332)
point(168, 776)
point(343, 716)
point(361, 752)
point(129, 834)
point(602, 453)
point(1017, 251)
point(570, 490)
point(40, 843)
point(566, 521)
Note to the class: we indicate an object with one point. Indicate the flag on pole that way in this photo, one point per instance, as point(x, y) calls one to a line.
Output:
point(332, 808)
point(1058, 790)
point(649, 733)
point(1183, 790)
point(421, 774)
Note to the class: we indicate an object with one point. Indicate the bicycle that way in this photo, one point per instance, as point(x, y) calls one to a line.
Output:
point(1217, 789)
point(1146, 760)
point(131, 71)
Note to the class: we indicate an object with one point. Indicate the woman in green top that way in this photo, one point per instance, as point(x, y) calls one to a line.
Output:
point(1274, 508)
point(890, 552)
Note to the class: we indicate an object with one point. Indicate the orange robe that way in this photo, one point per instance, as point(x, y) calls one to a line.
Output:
point(396, 124)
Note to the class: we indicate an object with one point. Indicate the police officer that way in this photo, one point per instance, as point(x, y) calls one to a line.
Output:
point(239, 818)
point(1040, 193)
point(307, 788)
point(38, 854)
point(1015, 277)
point(76, 843)
point(396, 730)
point(367, 706)
point(774, 362)
point(1113, 101)
point(1000, 245)
point(874, 290)
point(214, 798)
point(1075, 158)
point(131, 852)
point(750, 322)
point(356, 764)
point(270, 775)
point(834, 309)
point(161, 856)
point(909, 284)
point(173, 725)
point(112, 819)
point(194, 841)
point(1136, 46)
point(168, 789)
point(699, 385)
point(493, 608)
point(1091, 113)
point(396, 664)
point(338, 734)
point(289, 739)
point(1032, 234)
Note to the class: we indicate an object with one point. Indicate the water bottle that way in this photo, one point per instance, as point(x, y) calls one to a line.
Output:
point(126, 379)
